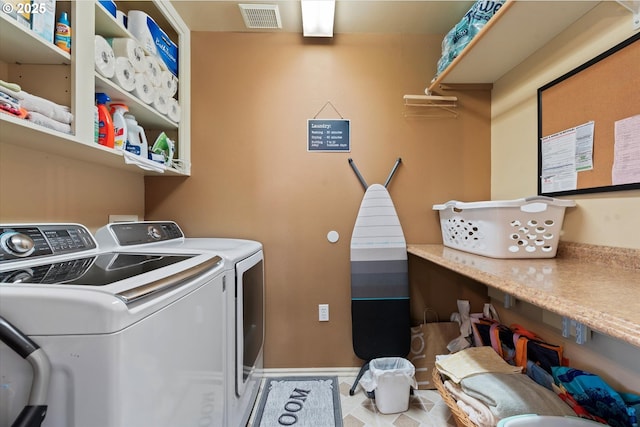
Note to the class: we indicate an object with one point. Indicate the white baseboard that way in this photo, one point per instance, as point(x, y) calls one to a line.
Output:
point(294, 372)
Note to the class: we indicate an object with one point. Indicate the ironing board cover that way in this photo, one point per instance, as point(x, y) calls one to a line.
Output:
point(379, 279)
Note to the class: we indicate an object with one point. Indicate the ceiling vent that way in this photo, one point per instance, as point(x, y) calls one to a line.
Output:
point(263, 16)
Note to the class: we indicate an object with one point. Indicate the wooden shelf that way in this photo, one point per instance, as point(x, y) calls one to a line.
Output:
point(22, 46)
point(493, 52)
point(144, 113)
point(29, 55)
point(26, 134)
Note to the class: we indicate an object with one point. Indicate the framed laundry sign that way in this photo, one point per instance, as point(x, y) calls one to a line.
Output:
point(329, 135)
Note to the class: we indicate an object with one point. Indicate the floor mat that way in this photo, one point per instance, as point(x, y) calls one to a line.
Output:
point(300, 402)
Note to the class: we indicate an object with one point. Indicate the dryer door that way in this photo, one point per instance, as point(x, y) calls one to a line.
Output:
point(249, 318)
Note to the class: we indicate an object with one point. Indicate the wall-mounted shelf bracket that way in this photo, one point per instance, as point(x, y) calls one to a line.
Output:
point(509, 301)
point(430, 106)
point(582, 332)
point(634, 7)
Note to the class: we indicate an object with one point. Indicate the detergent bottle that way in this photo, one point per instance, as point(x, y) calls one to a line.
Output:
point(105, 123)
point(119, 125)
point(136, 138)
point(62, 37)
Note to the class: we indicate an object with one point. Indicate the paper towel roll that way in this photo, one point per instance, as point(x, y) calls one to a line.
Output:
point(138, 26)
point(153, 71)
point(125, 75)
point(168, 84)
point(105, 59)
point(121, 17)
point(131, 49)
point(174, 110)
point(143, 89)
point(160, 102)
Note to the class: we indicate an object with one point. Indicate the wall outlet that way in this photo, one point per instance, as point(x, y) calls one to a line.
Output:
point(323, 312)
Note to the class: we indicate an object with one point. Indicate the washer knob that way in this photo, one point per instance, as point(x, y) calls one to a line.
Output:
point(18, 244)
point(154, 232)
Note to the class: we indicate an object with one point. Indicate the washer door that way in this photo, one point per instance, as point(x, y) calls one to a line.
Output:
point(249, 318)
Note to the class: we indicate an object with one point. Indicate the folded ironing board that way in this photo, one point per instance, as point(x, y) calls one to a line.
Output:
point(379, 279)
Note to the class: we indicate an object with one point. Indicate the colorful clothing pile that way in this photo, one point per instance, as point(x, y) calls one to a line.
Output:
point(597, 397)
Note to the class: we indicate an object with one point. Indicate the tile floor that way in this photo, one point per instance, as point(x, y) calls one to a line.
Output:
point(426, 409)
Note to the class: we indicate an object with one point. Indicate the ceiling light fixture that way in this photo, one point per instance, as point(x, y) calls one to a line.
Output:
point(317, 17)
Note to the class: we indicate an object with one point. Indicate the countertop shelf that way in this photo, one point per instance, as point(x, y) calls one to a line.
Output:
point(492, 52)
point(590, 291)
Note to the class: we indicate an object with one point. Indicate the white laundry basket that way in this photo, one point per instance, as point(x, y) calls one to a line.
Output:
point(521, 228)
point(546, 421)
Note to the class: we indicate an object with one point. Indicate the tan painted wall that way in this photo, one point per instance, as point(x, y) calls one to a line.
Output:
point(40, 187)
point(252, 176)
point(602, 219)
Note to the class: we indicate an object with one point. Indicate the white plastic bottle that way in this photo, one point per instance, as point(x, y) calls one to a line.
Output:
point(119, 125)
point(136, 138)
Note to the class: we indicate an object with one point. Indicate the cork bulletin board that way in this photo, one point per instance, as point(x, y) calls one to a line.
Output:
point(594, 110)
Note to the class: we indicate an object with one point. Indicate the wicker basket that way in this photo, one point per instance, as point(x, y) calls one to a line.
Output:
point(461, 418)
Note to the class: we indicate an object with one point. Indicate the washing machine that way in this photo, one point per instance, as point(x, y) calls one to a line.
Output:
point(244, 281)
point(134, 337)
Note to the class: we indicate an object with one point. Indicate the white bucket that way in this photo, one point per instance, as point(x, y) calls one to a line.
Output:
point(391, 378)
point(392, 394)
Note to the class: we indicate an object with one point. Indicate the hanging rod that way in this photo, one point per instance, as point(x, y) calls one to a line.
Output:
point(430, 101)
point(413, 103)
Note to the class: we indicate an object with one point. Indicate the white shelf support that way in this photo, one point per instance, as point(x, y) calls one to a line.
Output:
point(582, 331)
point(509, 301)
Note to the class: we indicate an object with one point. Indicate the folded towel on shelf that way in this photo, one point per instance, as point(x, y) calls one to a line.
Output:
point(42, 120)
point(11, 86)
point(7, 98)
point(473, 361)
point(11, 105)
point(507, 395)
point(477, 411)
point(59, 113)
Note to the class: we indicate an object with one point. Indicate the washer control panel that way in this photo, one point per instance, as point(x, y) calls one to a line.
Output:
point(31, 241)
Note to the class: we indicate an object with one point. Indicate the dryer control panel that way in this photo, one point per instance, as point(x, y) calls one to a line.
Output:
point(138, 233)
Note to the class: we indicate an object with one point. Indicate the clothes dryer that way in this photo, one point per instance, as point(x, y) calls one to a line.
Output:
point(244, 281)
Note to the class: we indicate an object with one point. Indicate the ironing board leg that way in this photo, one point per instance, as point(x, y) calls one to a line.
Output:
point(364, 369)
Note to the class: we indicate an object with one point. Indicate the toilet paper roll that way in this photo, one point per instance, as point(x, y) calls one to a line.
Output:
point(153, 71)
point(125, 75)
point(168, 84)
point(143, 88)
point(131, 49)
point(105, 59)
point(160, 102)
point(174, 110)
